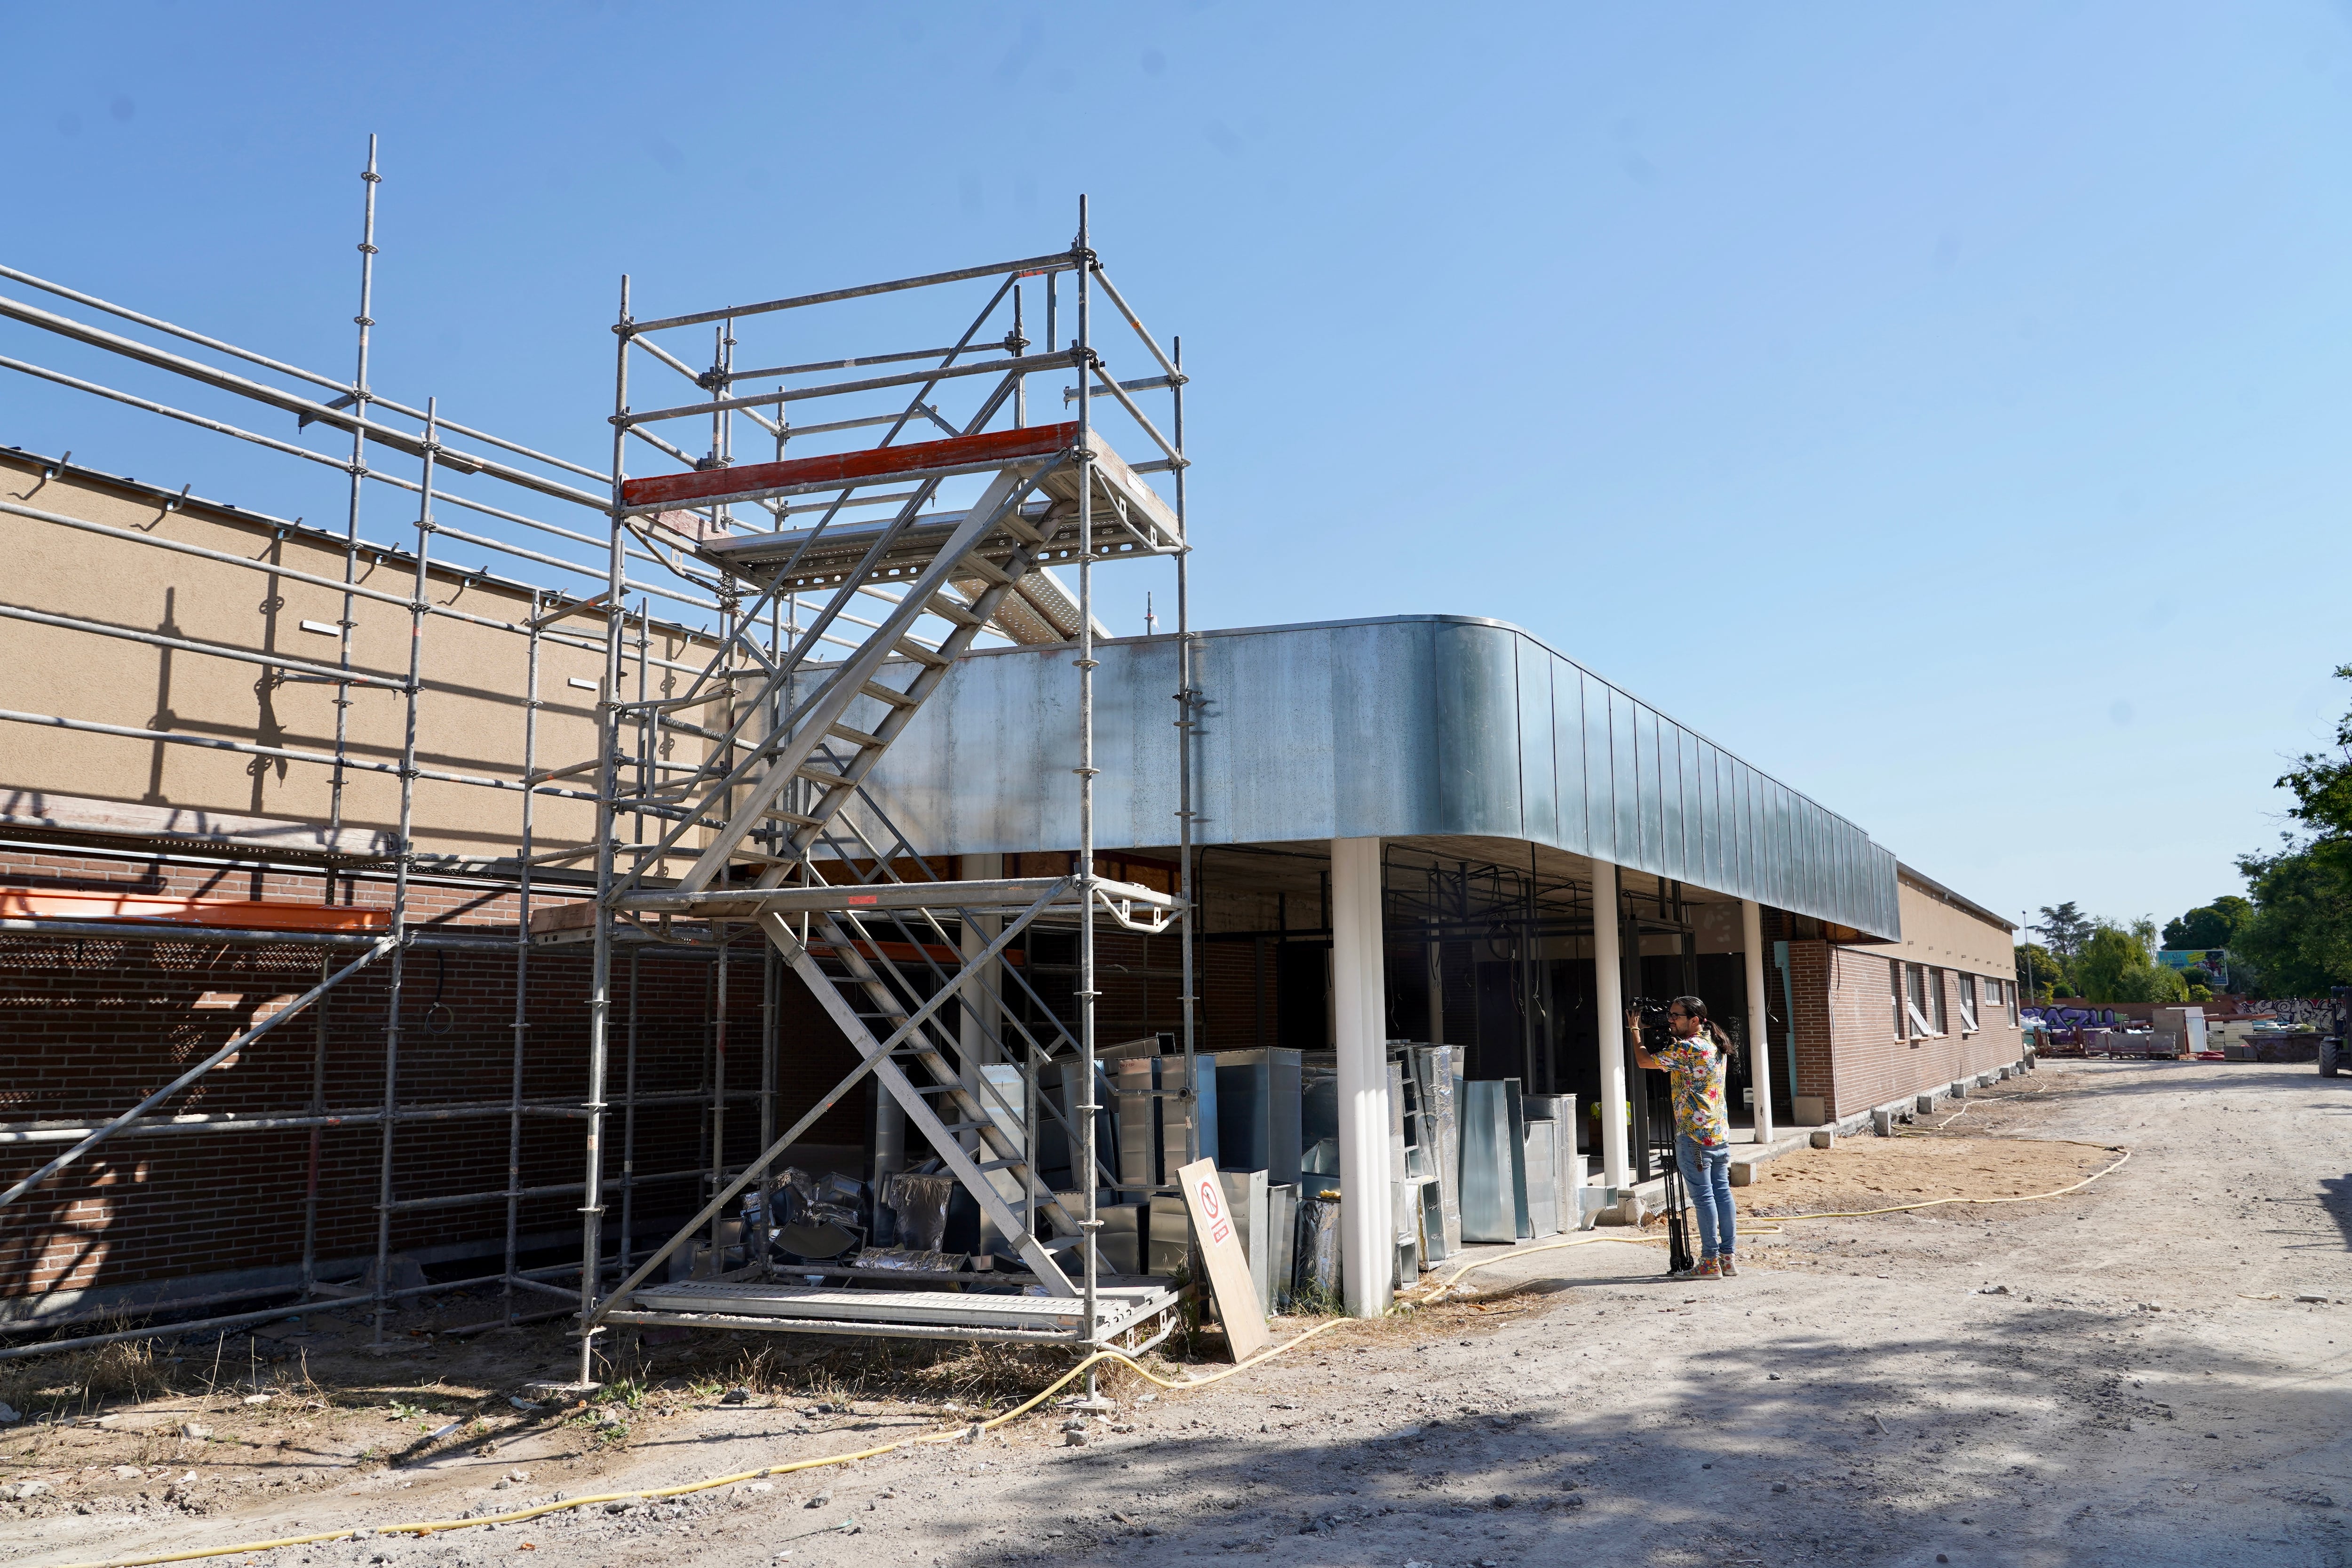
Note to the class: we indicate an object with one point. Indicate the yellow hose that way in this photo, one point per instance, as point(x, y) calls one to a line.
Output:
point(1427, 1296)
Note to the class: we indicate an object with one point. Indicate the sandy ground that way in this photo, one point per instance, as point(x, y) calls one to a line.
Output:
point(2120, 1375)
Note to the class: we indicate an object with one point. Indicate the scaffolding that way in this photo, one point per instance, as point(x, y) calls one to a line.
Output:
point(725, 783)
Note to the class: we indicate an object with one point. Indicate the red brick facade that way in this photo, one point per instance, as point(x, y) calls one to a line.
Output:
point(1848, 1052)
point(89, 1026)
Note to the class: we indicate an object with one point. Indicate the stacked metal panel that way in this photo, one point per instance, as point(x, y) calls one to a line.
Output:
point(1132, 1081)
point(1316, 1273)
point(1541, 1161)
point(1518, 1148)
point(1168, 1245)
point(1282, 1242)
point(1567, 1168)
point(1490, 1182)
point(1246, 1200)
point(1440, 1068)
point(1259, 1112)
point(1172, 1111)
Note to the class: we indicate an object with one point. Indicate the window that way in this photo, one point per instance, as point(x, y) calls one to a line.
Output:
point(2010, 989)
point(1969, 1002)
point(1915, 1004)
point(1894, 979)
point(1936, 1000)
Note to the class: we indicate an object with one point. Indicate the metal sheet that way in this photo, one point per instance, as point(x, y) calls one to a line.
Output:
point(1489, 1207)
point(1538, 752)
point(1567, 756)
point(1404, 727)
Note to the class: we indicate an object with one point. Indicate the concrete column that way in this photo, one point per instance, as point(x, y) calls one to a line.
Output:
point(1609, 1001)
point(1367, 1233)
point(1759, 1023)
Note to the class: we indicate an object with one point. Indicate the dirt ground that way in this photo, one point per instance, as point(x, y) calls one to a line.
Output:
point(2123, 1374)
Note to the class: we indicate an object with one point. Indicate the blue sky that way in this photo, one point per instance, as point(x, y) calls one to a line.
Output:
point(1943, 406)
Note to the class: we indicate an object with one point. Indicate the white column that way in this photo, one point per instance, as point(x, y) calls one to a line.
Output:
point(1367, 1233)
point(1760, 1029)
point(1609, 1001)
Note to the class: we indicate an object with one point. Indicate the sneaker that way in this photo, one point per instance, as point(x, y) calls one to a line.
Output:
point(1705, 1268)
point(1727, 1267)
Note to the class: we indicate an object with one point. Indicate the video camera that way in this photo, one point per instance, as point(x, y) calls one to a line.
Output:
point(1651, 1016)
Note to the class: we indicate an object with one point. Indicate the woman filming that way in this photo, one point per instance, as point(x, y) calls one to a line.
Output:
point(1701, 1135)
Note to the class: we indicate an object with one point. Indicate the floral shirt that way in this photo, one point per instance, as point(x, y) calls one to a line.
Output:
point(1696, 1069)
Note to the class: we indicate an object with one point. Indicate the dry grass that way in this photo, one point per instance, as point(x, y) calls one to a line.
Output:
point(74, 1381)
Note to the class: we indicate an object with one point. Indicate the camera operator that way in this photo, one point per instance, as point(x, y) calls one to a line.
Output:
point(1694, 1062)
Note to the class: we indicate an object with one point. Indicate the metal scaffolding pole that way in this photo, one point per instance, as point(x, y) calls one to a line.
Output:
point(1086, 771)
point(522, 958)
point(608, 777)
point(405, 856)
point(369, 180)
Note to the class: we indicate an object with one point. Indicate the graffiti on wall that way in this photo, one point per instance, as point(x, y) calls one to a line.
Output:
point(2295, 1009)
point(2074, 1017)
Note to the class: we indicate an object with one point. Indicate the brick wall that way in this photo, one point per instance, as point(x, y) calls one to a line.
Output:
point(89, 1028)
point(1816, 1020)
point(1864, 1063)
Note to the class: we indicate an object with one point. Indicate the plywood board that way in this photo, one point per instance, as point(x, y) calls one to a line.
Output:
point(1213, 1226)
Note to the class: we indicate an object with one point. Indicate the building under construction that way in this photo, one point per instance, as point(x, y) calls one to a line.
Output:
point(738, 881)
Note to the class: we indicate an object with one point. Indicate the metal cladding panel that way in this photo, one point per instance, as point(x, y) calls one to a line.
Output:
point(1694, 810)
point(1668, 794)
point(1709, 872)
point(1479, 723)
point(1625, 779)
point(1390, 754)
point(1394, 727)
point(1654, 786)
point(1753, 876)
point(1538, 751)
point(1567, 756)
point(1600, 772)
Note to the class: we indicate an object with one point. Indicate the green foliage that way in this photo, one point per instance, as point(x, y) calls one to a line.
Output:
point(2065, 929)
point(2039, 974)
point(2208, 925)
point(2117, 966)
point(2323, 783)
point(2299, 941)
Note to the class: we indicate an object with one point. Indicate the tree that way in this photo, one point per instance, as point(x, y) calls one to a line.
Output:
point(2322, 782)
point(2298, 940)
point(2041, 976)
point(2207, 926)
point(2115, 965)
point(2065, 929)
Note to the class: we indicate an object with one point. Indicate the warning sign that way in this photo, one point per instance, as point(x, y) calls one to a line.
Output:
point(1228, 1266)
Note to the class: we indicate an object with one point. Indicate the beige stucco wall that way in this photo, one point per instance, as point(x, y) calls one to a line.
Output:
point(470, 715)
point(1938, 933)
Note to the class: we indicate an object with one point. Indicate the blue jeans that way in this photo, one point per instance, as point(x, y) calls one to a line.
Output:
point(1706, 1172)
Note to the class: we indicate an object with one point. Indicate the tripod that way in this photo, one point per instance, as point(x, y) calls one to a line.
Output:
point(1678, 1250)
